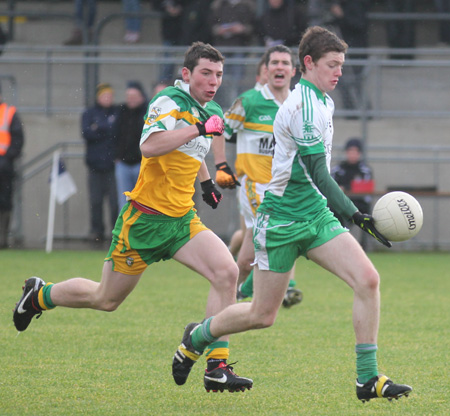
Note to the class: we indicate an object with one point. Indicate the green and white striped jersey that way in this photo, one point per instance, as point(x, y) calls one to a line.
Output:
point(303, 126)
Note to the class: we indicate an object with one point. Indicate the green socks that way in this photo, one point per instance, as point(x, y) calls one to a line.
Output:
point(247, 287)
point(44, 299)
point(202, 337)
point(366, 362)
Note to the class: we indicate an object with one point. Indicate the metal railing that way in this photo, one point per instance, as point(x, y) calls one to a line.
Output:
point(109, 57)
point(435, 159)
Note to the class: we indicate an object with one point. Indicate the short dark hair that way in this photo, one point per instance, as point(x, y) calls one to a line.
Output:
point(201, 50)
point(354, 142)
point(279, 48)
point(316, 42)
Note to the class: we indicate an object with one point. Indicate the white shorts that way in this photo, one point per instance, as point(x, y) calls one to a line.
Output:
point(251, 195)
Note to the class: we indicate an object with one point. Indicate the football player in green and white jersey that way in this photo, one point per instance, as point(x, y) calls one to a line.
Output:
point(251, 117)
point(294, 220)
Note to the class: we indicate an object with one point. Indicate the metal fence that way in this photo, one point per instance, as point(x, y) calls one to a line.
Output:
point(402, 111)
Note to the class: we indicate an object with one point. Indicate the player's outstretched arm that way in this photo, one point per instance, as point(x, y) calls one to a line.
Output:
point(365, 222)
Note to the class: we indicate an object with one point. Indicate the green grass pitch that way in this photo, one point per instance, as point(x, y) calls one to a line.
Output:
point(83, 362)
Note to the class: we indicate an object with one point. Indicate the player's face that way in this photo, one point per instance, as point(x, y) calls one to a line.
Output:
point(325, 73)
point(280, 70)
point(204, 80)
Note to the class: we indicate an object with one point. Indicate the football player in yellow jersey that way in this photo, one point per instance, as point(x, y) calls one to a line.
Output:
point(159, 221)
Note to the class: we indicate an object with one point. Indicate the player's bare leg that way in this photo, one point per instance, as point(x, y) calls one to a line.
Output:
point(107, 295)
point(221, 271)
point(209, 256)
point(246, 256)
point(73, 293)
point(261, 312)
point(344, 257)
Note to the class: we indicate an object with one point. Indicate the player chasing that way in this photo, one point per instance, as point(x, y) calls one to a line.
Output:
point(251, 117)
point(294, 220)
point(159, 221)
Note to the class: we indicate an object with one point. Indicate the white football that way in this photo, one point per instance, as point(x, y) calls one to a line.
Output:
point(398, 216)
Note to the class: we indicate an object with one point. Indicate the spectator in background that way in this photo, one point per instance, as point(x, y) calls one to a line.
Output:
point(129, 128)
point(132, 24)
point(349, 20)
point(283, 22)
point(85, 13)
point(171, 30)
point(11, 143)
point(160, 85)
point(443, 6)
point(99, 130)
point(233, 24)
point(194, 29)
point(401, 33)
point(3, 39)
point(354, 175)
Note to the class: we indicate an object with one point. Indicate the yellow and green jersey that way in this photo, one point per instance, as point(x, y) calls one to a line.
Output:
point(166, 183)
point(251, 116)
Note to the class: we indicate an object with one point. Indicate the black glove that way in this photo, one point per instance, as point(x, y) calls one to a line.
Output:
point(225, 177)
point(365, 222)
point(210, 193)
point(214, 125)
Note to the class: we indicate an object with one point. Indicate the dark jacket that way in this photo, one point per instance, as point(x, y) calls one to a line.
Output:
point(346, 172)
point(225, 13)
point(130, 123)
point(99, 130)
point(284, 25)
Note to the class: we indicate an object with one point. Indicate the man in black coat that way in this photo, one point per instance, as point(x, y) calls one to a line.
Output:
point(129, 129)
point(99, 130)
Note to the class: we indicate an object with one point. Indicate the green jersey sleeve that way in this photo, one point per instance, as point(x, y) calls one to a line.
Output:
point(317, 168)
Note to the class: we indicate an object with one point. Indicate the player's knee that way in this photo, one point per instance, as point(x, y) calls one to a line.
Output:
point(226, 276)
point(244, 265)
point(370, 280)
point(263, 319)
point(108, 305)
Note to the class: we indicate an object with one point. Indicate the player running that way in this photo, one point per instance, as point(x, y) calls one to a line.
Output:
point(251, 116)
point(159, 221)
point(294, 220)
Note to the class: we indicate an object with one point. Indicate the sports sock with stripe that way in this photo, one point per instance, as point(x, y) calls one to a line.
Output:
point(44, 299)
point(217, 352)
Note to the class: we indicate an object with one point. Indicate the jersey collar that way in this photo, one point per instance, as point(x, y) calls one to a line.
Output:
point(320, 95)
point(179, 83)
point(268, 94)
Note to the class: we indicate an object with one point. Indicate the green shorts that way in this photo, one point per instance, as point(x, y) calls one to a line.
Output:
point(140, 239)
point(278, 243)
